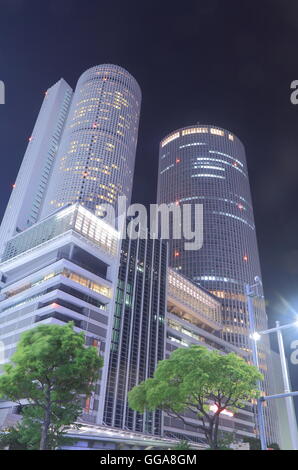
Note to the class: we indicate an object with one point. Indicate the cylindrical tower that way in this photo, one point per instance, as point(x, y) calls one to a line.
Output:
point(95, 162)
point(207, 165)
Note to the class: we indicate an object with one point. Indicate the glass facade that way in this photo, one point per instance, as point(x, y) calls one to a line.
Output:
point(195, 320)
point(207, 165)
point(29, 189)
point(138, 339)
point(95, 161)
point(74, 218)
point(195, 299)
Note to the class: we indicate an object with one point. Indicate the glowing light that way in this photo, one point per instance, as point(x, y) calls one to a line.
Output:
point(30, 138)
point(245, 258)
point(214, 408)
point(170, 138)
point(177, 160)
point(216, 132)
point(195, 130)
point(13, 185)
point(177, 253)
point(255, 336)
point(240, 206)
point(55, 305)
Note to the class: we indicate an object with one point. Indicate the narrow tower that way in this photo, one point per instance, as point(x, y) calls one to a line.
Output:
point(28, 191)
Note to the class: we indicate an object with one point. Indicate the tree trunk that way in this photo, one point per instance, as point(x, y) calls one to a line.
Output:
point(46, 423)
point(209, 434)
point(215, 432)
point(212, 432)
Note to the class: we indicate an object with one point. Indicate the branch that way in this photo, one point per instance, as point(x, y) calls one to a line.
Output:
point(187, 423)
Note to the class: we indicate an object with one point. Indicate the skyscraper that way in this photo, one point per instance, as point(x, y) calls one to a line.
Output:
point(82, 148)
point(207, 165)
point(28, 191)
point(194, 318)
point(63, 268)
point(59, 261)
point(95, 161)
point(138, 339)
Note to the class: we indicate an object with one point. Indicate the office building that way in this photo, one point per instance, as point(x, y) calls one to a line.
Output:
point(138, 339)
point(61, 269)
point(95, 161)
point(206, 165)
point(194, 318)
point(82, 149)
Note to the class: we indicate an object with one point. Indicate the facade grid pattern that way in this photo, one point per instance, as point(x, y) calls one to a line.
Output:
point(207, 165)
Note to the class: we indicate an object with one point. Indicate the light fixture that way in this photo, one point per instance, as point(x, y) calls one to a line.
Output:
point(255, 336)
point(214, 409)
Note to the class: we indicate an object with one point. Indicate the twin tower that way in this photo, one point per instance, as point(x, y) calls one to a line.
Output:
point(82, 150)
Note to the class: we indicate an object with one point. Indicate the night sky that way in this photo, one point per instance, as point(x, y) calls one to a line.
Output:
point(228, 63)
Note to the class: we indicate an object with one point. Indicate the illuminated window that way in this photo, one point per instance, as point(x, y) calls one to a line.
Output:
point(209, 166)
point(207, 175)
point(215, 278)
point(217, 132)
point(191, 145)
point(227, 214)
point(195, 130)
point(226, 155)
point(170, 138)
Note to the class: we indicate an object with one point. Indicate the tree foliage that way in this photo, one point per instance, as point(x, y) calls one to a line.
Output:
point(182, 445)
point(51, 369)
point(254, 443)
point(191, 380)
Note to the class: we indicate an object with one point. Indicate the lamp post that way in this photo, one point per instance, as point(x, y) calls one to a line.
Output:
point(288, 395)
point(250, 293)
point(287, 388)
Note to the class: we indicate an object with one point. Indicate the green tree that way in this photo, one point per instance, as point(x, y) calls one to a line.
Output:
point(274, 446)
point(51, 369)
point(26, 434)
point(254, 443)
point(11, 439)
point(191, 380)
point(182, 445)
point(224, 440)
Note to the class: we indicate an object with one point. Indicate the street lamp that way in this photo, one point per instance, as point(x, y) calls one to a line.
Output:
point(288, 395)
point(250, 291)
